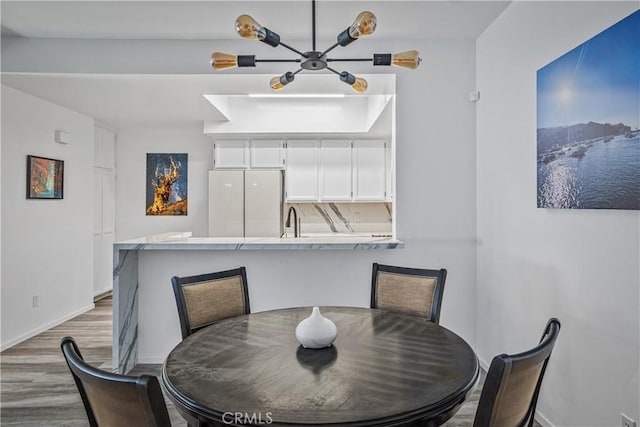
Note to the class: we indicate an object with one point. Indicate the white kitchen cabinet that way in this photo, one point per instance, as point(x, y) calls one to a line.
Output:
point(103, 208)
point(97, 147)
point(104, 143)
point(231, 154)
point(97, 201)
point(369, 170)
point(103, 201)
point(108, 149)
point(108, 201)
point(335, 170)
point(301, 170)
point(267, 154)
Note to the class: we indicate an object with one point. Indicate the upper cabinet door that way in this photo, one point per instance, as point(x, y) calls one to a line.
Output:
point(97, 201)
point(108, 149)
point(369, 170)
point(301, 171)
point(335, 170)
point(228, 154)
point(267, 154)
point(97, 147)
point(104, 147)
point(108, 201)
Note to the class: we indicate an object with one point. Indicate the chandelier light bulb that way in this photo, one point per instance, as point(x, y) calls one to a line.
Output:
point(410, 59)
point(249, 28)
point(364, 25)
point(275, 83)
point(357, 83)
point(360, 85)
point(279, 82)
point(223, 61)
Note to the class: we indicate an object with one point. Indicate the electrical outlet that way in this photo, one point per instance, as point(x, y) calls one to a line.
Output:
point(35, 301)
point(357, 216)
point(627, 422)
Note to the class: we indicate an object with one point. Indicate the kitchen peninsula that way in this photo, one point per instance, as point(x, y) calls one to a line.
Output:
point(145, 322)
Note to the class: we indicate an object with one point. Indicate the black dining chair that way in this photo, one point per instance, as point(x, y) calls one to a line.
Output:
point(115, 400)
point(510, 393)
point(413, 291)
point(207, 298)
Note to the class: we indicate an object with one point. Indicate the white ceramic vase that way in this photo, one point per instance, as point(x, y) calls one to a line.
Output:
point(316, 331)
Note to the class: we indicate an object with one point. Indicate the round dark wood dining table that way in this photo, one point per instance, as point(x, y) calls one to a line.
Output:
point(383, 369)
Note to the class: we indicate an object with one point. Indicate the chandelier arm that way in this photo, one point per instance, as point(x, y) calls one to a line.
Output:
point(313, 24)
point(349, 59)
point(363, 25)
point(304, 55)
point(333, 71)
point(278, 60)
point(329, 50)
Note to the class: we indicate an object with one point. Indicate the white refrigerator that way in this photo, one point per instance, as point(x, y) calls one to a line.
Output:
point(245, 203)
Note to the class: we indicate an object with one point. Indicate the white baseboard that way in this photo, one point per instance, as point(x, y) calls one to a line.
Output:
point(34, 332)
point(103, 291)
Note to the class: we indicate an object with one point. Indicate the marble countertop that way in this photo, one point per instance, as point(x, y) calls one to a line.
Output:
point(184, 241)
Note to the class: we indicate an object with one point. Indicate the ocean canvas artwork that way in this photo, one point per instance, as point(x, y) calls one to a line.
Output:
point(588, 137)
point(166, 184)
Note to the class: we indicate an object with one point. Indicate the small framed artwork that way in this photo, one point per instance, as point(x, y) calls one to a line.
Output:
point(45, 178)
point(167, 184)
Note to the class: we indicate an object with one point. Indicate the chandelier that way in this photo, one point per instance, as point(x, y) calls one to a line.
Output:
point(313, 60)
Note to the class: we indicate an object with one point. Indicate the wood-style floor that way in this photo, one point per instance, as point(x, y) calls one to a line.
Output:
point(36, 387)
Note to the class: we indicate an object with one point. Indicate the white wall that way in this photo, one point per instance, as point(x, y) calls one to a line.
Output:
point(131, 161)
point(435, 172)
point(581, 266)
point(47, 246)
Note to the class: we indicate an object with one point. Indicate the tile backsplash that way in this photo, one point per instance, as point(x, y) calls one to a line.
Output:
point(343, 217)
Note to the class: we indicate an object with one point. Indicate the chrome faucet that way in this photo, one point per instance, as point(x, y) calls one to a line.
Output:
point(295, 221)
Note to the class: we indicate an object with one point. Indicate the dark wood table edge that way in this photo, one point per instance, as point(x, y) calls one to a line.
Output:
point(198, 415)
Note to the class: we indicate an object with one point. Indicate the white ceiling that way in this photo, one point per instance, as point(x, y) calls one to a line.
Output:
point(172, 101)
point(215, 19)
point(126, 101)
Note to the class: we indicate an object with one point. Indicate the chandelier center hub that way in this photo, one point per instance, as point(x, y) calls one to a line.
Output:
point(314, 61)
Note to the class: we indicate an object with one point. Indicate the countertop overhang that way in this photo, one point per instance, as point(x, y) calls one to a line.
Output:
point(184, 241)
